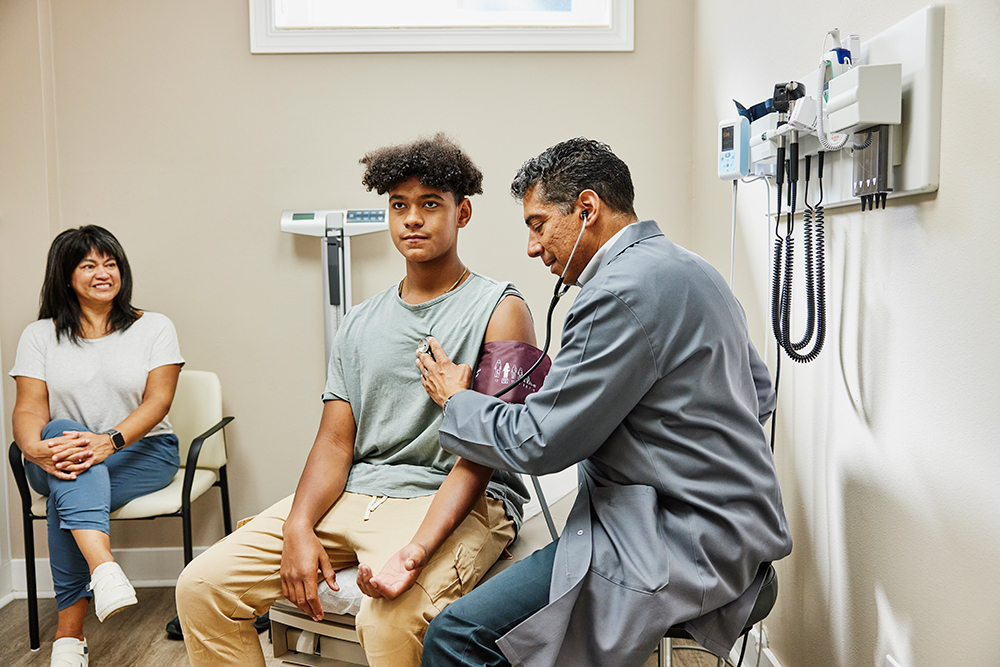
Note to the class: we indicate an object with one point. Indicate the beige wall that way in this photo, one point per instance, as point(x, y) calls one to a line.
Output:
point(154, 120)
point(888, 443)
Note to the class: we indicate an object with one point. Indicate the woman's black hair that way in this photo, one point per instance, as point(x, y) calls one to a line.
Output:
point(59, 300)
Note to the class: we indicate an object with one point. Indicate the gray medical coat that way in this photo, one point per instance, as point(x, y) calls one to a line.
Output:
point(660, 397)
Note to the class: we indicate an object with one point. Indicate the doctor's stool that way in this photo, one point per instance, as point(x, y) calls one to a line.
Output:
point(766, 598)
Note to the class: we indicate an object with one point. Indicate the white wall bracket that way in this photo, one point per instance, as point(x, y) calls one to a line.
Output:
point(917, 45)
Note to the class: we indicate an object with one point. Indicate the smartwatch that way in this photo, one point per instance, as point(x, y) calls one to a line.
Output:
point(117, 439)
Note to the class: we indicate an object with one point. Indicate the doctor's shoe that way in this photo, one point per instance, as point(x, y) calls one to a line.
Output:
point(70, 652)
point(112, 591)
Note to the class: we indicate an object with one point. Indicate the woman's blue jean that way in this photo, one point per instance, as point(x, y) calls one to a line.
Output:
point(466, 632)
point(87, 501)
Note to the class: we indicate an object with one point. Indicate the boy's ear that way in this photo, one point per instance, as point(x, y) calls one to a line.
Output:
point(464, 212)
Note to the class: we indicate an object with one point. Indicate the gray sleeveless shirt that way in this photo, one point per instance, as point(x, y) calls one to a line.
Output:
point(373, 367)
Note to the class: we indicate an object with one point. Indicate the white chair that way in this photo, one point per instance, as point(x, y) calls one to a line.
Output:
point(196, 416)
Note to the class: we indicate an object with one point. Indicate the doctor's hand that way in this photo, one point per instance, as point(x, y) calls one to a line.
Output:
point(440, 377)
point(398, 575)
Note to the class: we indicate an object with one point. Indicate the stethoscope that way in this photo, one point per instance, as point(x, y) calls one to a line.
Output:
point(560, 289)
point(557, 293)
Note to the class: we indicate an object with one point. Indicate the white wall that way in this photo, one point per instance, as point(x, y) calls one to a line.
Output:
point(887, 445)
point(154, 120)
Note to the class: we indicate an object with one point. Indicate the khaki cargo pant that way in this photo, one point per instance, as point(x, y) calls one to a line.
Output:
point(221, 591)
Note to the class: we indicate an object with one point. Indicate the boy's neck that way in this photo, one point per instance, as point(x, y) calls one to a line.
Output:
point(423, 283)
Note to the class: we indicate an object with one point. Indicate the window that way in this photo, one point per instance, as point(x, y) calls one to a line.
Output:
point(331, 26)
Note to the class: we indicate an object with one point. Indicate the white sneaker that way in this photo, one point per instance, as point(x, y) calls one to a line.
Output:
point(112, 591)
point(70, 652)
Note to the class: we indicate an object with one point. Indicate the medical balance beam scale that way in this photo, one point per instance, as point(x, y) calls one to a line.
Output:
point(335, 227)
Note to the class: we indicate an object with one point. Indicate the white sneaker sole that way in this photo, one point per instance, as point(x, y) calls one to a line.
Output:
point(115, 607)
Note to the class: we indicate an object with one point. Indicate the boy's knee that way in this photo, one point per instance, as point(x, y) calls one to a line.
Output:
point(392, 632)
point(194, 585)
point(187, 588)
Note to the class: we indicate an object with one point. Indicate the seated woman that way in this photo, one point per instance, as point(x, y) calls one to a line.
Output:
point(95, 379)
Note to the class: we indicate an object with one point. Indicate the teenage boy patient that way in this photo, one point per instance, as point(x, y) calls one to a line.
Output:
point(377, 489)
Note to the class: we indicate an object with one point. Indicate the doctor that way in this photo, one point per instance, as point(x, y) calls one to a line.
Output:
point(660, 398)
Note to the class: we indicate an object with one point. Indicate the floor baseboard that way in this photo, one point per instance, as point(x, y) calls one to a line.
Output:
point(145, 568)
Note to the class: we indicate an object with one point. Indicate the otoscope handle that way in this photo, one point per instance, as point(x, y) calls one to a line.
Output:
point(793, 162)
point(779, 177)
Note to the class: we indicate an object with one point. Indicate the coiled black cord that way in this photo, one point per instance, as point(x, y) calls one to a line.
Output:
point(807, 242)
point(815, 272)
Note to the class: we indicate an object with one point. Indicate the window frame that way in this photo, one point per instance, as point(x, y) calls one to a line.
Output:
point(266, 38)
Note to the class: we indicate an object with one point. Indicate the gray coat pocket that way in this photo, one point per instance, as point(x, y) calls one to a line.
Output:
point(629, 538)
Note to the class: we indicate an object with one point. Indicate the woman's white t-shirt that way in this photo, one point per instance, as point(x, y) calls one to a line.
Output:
point(100, 381)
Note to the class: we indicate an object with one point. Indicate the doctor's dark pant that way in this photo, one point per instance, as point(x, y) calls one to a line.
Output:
point(466, 632)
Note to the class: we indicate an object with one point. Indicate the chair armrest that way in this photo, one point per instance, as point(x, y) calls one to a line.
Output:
point(17, 467)
point(191, 465)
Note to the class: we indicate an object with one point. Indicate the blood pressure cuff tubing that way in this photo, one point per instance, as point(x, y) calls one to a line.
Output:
point(502, 362)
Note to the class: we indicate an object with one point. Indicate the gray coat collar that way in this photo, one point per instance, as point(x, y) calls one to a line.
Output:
point(634, 233)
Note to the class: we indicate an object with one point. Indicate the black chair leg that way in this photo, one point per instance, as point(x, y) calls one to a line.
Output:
point(227, 515)
point(188, 539)
point(174, 625)
point(29, 570)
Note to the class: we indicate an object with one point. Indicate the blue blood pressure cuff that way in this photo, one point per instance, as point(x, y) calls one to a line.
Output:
point(758, 110)
point(503, 362)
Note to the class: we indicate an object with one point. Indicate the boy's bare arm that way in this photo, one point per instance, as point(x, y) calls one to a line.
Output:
point(321, 484)
point(460, 491)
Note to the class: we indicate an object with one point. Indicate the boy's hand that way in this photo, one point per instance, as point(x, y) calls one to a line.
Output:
point(301, 556)
point(398, 575)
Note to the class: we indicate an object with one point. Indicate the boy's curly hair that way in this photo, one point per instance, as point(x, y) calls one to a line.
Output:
point(439, 163)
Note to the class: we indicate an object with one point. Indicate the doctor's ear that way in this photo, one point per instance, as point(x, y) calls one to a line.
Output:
point(588, 203)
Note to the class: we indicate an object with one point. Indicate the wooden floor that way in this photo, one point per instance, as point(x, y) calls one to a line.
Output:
point(136, 637)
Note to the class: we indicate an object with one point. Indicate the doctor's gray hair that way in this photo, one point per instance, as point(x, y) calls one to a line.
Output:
point(565, 170)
